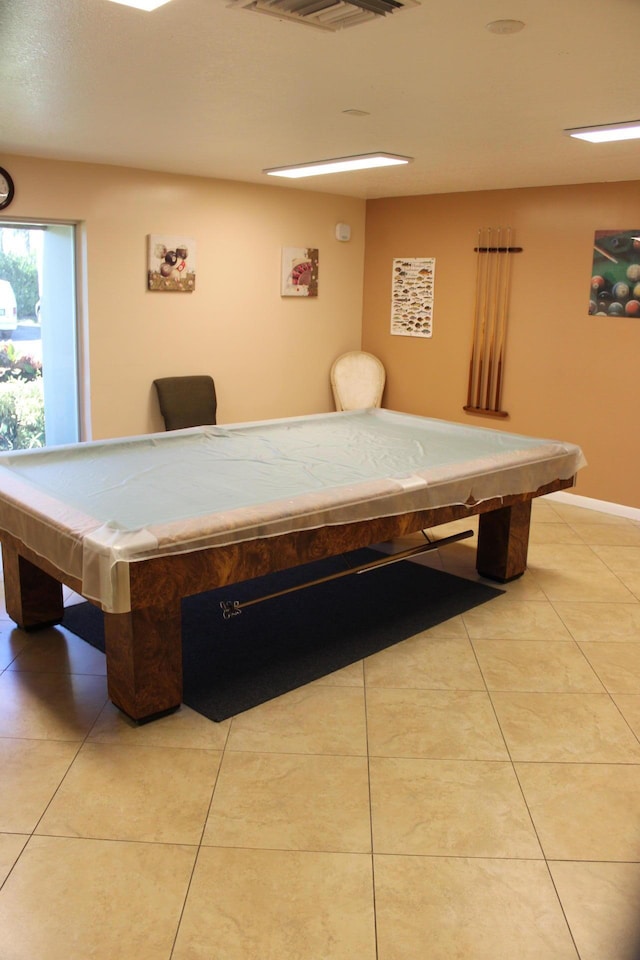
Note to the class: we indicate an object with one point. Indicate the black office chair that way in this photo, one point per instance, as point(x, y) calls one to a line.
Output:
point(186, 401)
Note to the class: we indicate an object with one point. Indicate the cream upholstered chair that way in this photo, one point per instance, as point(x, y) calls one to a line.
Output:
point(357, 381)
point(186, 401)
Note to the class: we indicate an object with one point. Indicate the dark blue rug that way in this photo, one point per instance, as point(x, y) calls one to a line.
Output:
point(280, 644)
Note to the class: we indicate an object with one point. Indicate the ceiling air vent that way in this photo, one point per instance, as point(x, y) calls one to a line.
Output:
point(326, 14)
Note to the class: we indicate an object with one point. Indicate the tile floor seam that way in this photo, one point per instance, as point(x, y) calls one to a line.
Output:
point(183, 906)
point(371, 837)
point(118, 840)
point(510, 760)
point(81, 743)
point(562, 908)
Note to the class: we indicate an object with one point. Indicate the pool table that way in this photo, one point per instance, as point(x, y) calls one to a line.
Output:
point(136, 524)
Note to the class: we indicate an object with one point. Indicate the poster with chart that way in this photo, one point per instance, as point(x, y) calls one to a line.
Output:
point(412, 296)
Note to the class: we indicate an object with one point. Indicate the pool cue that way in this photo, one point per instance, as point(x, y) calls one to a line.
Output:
point(476, 310)
point(232, 608)
point(494, 298)
point(485, 304)
point(603, 253)
point(504, 317)
point(499, 321)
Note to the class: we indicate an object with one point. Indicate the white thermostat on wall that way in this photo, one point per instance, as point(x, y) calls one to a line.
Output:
point(343, 231)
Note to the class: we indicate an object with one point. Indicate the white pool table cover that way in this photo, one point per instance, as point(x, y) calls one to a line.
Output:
point(92, 508)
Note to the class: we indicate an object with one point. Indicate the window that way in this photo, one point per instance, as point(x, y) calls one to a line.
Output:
point(38, 345)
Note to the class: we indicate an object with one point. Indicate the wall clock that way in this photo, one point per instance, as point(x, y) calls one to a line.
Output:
point(6, 189)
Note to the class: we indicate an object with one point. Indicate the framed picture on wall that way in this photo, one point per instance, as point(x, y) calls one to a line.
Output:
point(412, 296)
point(299, 272)
point(171, 264)
point(615, 274)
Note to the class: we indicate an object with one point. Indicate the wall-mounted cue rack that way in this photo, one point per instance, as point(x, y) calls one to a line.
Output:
point(490, 320)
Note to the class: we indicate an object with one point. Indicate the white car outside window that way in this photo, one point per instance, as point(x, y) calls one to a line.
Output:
point(8, 310)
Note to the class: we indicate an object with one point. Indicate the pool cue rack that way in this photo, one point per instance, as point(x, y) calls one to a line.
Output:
point(490, 320)
point(232, 608)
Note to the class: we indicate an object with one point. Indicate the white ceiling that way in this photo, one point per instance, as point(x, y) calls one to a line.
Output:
point(198, 87)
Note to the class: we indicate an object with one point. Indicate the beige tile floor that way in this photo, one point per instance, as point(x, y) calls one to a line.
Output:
point(471, 793)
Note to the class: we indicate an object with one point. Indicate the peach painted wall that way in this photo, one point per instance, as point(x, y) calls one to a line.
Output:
point(270, 355)
point(568, 375)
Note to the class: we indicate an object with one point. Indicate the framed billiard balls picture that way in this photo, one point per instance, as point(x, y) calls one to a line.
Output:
point(615, 274)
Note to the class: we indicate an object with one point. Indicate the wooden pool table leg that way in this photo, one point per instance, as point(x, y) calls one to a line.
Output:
point(33, 598)
point(144, 660)
point(503, 542)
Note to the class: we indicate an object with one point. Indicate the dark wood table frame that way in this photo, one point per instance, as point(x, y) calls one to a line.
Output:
point(144, 646)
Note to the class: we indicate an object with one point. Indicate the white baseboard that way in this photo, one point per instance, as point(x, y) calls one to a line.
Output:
point(603, 506)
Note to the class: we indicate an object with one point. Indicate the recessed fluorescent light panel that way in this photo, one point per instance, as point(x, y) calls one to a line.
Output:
point(147, 5)
point(339, 165)
point(608, 132)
